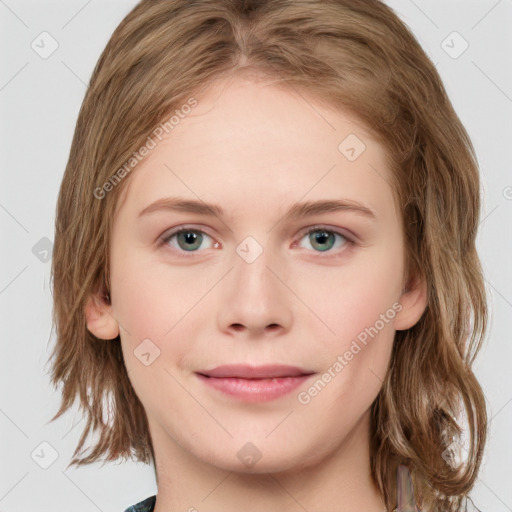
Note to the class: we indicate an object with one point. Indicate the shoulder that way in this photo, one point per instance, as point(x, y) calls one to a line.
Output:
point(146, 505)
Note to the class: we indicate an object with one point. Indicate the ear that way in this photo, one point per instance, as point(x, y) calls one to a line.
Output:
point(414, 303)
point(99, 318)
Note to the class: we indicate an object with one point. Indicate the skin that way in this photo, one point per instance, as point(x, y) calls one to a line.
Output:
point(256, 150)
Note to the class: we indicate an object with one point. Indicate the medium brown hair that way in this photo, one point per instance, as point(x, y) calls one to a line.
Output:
point(352, 55)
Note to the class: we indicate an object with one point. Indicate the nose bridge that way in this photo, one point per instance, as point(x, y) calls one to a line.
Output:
point(251, 250)
point(251, 268)
point(255, 298)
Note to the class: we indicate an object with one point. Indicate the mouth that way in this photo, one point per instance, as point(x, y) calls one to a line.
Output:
point(254, 383)
point(243, 371)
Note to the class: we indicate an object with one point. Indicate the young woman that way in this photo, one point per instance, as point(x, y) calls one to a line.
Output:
point(265, 275)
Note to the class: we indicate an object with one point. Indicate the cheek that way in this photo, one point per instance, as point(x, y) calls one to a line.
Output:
point(149, 297)
point(355, 311)
point(155, 301)
point(137, 299)
point(152, 303)
point(351, 297)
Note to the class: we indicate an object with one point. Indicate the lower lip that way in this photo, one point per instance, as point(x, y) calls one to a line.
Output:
point(255, 390)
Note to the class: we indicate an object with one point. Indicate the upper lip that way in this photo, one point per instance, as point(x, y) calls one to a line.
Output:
point(245, 371)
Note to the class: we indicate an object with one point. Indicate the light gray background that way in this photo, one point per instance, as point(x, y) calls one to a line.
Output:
point(39, 102)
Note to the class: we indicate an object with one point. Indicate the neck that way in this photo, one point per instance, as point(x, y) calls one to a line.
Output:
point(337, 481)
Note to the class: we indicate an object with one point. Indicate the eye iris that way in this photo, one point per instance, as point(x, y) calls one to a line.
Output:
point(321, 237)
point(189, 237)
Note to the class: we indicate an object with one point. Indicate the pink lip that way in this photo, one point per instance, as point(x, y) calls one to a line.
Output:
point(255, 384)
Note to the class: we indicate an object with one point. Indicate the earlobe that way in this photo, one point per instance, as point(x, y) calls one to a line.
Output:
point(100, 320)
point(414, 302)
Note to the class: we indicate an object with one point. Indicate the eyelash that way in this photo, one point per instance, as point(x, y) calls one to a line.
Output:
point(164, 240)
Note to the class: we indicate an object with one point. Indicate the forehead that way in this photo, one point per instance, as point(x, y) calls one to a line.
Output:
point(249, 143)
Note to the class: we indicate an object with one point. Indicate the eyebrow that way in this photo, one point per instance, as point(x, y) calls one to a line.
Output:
point(296, 211)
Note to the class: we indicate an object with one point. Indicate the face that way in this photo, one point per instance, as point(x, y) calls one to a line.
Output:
point(259, 281)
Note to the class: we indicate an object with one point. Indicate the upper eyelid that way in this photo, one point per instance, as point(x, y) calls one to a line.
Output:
point(177, 229)
point(332, 229)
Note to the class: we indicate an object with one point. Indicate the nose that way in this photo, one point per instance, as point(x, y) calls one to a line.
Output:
point(255, 301)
